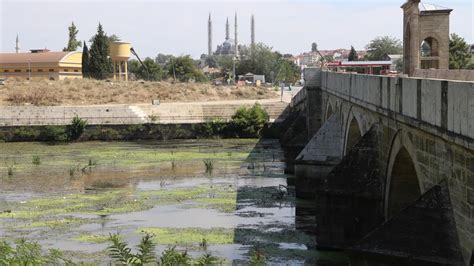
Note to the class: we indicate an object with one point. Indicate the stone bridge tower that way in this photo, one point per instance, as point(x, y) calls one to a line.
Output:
point(425, 36)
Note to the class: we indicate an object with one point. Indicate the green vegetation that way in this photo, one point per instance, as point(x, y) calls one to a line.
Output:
point(379, 47)
point(190, 236)
point(459, 55)
point(53, 133)
point(72, 43)
point(36, 160)
point(257, 258)
point(75, 130)
point(209, 165)
point(154, 73)
point(29, 253)
point(99, 64)
point(10, 169)
point(121, 253)
point(85, 61)
point(353, 54)
point(250, 121)
point(264, 61)
point(185, 69)
point(92, 238)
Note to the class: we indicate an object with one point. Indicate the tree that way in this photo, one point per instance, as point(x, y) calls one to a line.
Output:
point(85, 61)
point(353, 54)
point(99, 63)
point(185, 69)
point(154, 73)
point(269, 63)
point(163, 59)
point(381, 46)
point(72, 43)
point(114, 38)
point(314, 47)
point(459, 56)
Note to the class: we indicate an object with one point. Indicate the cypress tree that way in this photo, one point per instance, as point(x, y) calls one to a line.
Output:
point(353, 54)
point(99, 63)
point(85, 61)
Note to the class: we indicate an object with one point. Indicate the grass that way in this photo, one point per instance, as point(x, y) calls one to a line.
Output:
point(36, 159)
point(190, 236)
point(88, 91)
point(209, 164)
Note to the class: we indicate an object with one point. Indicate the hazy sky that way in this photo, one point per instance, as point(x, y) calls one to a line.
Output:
point(180, 27)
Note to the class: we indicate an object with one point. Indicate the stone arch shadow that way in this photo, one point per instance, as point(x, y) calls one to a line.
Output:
point(403, 176)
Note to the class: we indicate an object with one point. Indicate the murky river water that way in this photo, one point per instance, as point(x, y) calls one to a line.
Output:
point(232, 193)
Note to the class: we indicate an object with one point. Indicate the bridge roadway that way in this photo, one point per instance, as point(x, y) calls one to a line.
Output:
point(389, 162)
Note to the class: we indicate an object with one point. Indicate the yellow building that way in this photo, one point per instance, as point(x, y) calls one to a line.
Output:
point(41, 63)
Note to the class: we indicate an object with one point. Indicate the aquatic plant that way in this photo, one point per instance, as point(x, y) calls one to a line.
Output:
point(76, 128)
point(173, 164)
point(209, 165)
point(203, 244)
point(73, 169)
point(36, 159)
point(92, 162)
point(10, 169)
point(29, 253)
point(257, 258)
point(120, 252)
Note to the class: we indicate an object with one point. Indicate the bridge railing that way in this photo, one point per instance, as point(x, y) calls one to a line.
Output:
point(445, 104)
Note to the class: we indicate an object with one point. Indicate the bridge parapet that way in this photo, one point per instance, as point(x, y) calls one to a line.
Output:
point(441, 107)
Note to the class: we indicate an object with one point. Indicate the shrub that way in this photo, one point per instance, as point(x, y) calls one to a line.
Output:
point(25, 134)
point(120, 252)
point(75, 130)
point(53, 133)
point(105, 134)
point(250, 121)
point(29, 253)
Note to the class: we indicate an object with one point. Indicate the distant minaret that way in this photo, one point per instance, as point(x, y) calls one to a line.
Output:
point(209, 36)
point(227, 30)
point(252, 30)
point(17, 47)
point(235, 38)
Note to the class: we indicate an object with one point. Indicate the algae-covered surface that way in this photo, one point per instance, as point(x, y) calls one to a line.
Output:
point(227, 197)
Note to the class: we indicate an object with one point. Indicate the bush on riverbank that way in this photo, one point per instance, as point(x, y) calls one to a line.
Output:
point(245, 123)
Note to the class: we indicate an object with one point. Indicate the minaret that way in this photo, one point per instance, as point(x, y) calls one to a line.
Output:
point(227, 30)
point(236, 43)
point(252, 30)
point(17, 46)
point(209, 36)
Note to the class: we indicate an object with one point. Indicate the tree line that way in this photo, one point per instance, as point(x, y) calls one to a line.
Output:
point(459, 55)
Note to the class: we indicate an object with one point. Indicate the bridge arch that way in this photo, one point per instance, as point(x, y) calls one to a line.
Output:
point(353, 132)
point(403, 184)
point(329, 110)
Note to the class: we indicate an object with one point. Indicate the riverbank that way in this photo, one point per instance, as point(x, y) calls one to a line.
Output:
point(41, 92)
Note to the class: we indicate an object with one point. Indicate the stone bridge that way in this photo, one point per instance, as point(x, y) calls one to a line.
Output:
point(389, 163)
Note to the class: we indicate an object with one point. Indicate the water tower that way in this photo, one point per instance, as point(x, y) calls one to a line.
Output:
point(120, 53)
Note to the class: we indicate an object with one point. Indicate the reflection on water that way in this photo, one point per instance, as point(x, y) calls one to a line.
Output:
point(82, 192)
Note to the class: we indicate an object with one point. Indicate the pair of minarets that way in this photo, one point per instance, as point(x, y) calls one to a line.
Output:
point(227, 34)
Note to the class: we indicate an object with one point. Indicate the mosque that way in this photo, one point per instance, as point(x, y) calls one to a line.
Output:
point(229, 46)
